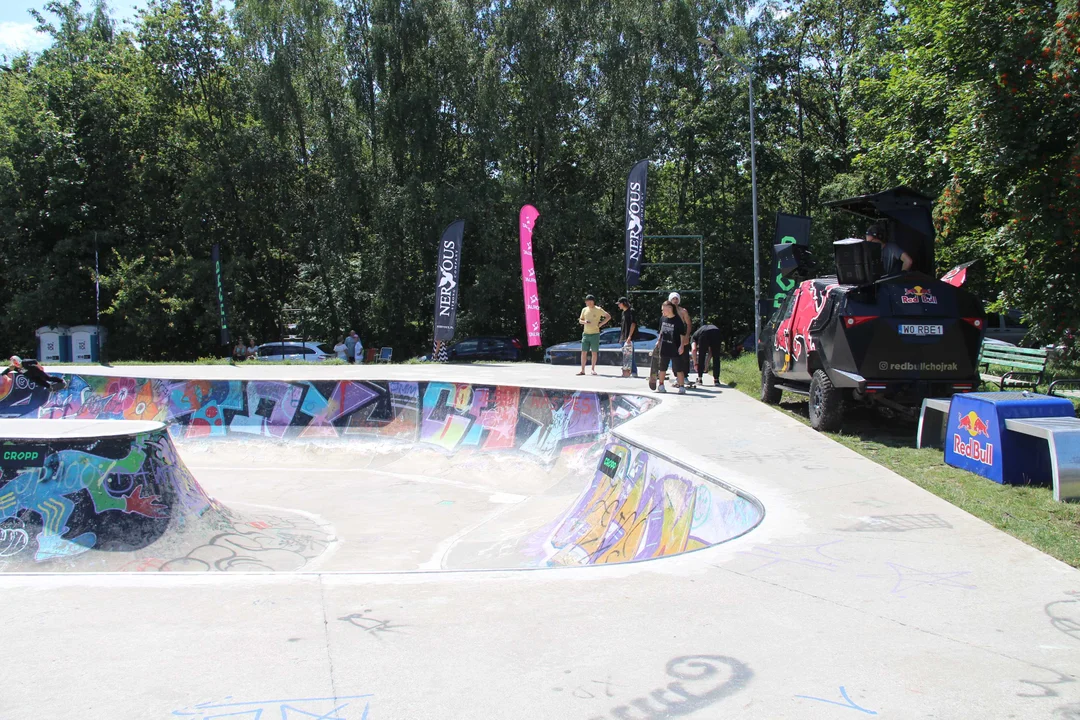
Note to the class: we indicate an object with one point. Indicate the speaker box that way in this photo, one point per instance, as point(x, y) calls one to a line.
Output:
point(858, 262)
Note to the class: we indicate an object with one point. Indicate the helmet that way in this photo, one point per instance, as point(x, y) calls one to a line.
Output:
point(16, 360)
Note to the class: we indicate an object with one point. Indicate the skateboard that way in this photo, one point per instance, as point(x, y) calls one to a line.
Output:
point(654, 372)
point(627, 358)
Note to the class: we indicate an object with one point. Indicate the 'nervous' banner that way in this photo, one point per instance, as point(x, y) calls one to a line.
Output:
point(446, 286)
point(635, 221)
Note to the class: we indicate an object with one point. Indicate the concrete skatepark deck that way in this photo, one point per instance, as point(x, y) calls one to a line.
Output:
point(857, 594)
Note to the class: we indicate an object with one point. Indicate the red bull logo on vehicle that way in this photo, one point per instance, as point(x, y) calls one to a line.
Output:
point(970, 447)
point(918, 294)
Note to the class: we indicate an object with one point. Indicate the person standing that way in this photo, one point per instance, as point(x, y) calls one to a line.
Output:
point(893, 258)
point(592, 318)
point(707, 341)
point(671, 347)
point(341, 348)
point(358, 349)
point(350, 347)
point(626, 337)
point(683, 360)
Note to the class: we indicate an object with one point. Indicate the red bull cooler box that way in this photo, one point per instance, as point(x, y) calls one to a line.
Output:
point(976, 439)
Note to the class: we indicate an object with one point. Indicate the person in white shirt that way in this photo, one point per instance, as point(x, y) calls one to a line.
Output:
point(340, 349)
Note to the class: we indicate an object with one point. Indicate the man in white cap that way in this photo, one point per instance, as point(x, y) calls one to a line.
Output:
point(683, 359)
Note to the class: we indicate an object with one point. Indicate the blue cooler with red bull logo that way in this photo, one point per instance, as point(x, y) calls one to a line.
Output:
point(977, 441)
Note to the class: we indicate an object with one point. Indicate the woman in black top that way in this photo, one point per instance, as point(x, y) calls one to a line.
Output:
point(670, 344)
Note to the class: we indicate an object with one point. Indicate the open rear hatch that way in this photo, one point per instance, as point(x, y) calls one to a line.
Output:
point(911, 327)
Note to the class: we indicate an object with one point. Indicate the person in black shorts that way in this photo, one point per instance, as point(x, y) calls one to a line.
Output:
point(671, 347)
point(30, 369)
point(706, 341)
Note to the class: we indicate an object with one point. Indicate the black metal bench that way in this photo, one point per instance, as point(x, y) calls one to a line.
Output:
point(1026, 366)
point(1066, 387)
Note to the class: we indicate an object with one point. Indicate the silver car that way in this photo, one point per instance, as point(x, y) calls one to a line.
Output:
point(569, 353)
point(294, 350)
point(1006, 327)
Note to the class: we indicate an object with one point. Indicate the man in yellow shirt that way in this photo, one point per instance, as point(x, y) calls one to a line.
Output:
point(592, 318)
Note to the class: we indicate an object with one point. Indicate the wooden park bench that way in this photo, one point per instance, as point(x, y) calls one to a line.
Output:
point(1027, 366)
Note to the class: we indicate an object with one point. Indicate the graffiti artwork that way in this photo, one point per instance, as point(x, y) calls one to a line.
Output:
point(448, 415)
point(119, 494)
point(109, 493)
point(639, 507)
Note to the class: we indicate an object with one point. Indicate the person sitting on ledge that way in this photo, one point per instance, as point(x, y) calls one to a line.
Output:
point(31, 370)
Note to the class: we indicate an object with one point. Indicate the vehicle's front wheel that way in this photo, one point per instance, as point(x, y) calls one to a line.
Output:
point(826, 403)
point(770, 394)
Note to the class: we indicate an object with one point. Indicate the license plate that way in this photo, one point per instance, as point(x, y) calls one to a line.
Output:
point(922, 329)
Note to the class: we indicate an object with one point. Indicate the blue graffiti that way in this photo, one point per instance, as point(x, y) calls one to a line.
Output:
point(849, 704)
point(324, 708)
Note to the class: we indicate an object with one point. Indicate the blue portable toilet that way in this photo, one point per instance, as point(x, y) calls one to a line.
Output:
point(86, 343)
point(54, 344)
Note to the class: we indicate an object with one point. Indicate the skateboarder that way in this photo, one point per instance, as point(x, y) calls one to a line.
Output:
point(669, 348)
point(31, 370)
point(626, 339)
point(682, 361)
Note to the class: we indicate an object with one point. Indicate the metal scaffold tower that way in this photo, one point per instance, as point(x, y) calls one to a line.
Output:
point(700, 265)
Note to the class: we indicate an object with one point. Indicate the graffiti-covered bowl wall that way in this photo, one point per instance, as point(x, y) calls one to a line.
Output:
point(625, 503)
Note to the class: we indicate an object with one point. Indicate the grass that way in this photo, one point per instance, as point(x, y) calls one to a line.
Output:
point(1029, 514)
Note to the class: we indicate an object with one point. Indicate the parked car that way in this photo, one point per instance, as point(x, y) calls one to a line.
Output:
point(293, 350)
point(487, 348)
point(569, 353)
point(1006, 327)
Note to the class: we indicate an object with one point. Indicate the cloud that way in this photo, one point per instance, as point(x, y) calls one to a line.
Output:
point(16, 37)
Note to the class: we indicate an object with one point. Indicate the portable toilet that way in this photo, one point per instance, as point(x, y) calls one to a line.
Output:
point(54, 344)
point(85, 343)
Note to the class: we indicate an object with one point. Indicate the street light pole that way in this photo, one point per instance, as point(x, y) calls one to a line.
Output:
point(711, 44)
point(753, 203)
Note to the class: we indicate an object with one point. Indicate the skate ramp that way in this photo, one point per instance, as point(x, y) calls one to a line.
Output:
point(407, 476)
point(115, 495)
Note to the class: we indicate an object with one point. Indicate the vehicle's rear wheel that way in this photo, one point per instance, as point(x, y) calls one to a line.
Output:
point(826, 403)
point(770, 394)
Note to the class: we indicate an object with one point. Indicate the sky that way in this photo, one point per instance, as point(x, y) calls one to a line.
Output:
point(17, 27)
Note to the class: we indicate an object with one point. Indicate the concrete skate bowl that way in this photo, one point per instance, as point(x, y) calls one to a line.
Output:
point(391, 476)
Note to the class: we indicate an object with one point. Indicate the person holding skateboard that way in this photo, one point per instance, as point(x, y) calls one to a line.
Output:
point(626, 339)
point(682, 362)
point(670, 348)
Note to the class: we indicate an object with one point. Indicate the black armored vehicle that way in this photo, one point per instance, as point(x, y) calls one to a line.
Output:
point(861, 336)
